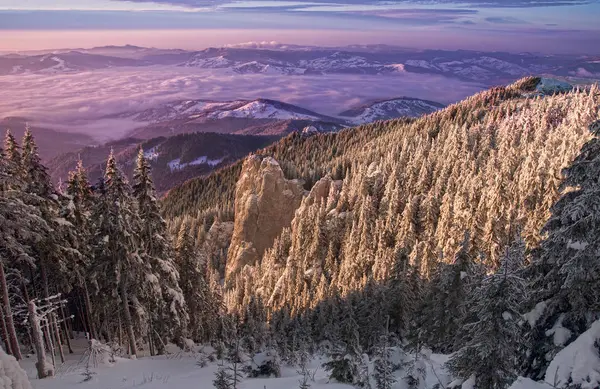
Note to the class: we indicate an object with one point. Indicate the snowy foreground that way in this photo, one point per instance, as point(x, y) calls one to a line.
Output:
point(578, 363)
point(180, 370)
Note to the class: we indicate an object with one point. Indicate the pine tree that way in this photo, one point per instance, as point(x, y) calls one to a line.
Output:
point(223, 379)
point(201, 305)
point(346, 353)
point(490, 354)
point(79, 214)
point(56, 250)
point(119, 269)
point(384, 368)
point(446, 301)
point(17, 220)
point(168, 312)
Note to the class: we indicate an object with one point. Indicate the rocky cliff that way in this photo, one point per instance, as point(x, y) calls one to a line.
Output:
point(265, 203)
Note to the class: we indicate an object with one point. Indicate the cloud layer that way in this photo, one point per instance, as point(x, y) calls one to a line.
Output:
point(77, 102)
point(481, 3)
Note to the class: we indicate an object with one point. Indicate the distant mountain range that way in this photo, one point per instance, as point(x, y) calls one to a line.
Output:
point(483, 67)
point(185, 139)
point(174, 159)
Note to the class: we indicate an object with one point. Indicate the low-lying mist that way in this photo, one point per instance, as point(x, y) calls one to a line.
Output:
point(80, 102)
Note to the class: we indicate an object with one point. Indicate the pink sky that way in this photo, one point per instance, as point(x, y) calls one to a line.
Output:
point(424, 37)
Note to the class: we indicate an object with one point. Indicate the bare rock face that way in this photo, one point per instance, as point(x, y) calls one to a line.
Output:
point(265, 203)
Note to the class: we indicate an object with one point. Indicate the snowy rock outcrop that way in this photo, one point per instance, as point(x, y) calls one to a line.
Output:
point(11, 374)
point(265, 203)
point(550, 86)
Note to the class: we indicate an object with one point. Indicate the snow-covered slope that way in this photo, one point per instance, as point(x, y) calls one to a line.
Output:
point(390, 109)
point(199, 110)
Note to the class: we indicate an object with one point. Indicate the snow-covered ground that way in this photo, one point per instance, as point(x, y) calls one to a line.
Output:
point(203, 160)
point(180, 370)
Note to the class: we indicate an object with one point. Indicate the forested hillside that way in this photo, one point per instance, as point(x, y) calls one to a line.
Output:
point(469, 232)
point(405, 219)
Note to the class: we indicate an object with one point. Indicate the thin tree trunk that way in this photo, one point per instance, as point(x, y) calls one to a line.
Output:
point(38, 343)
point(81, 312)
point(58, 337)
point(128, 321)
point(65, 328)
point(50, 342)
point(120, 329)
point(10, 324)
point(53, 327)
point(88, 311)
point(5, 338)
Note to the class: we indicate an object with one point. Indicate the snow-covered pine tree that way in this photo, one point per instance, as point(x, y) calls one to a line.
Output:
point(56, 251)
point(405, 293)
point(119, 269)
point(192, 280)
point(490, 353)
point(566, 274)
point(168, 312)
point(79, 214)
point(444, 309)
point(384, 367)
point(346, 354)
point(20, 224)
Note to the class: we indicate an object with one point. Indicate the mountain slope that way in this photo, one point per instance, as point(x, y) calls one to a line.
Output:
point(391, 109)
point(173, 159)
point(256, 117)
point(51, 142)
point(410, 186)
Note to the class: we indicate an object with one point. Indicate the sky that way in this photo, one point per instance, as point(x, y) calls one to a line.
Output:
point(546, 26)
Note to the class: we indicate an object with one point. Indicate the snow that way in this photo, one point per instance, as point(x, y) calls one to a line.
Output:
point(560, 334)
point(394, 108)
point(180, 370)
point(151, 154)
point(507, 316)
point(11, 374)
point(61, 65)
point(260, 110)
point(526, 383)
point(397, 67)
point(211, 63)
point(203, 160)
point(549, 86)
point(578, 363)
point(577, 245)
point(469, 384)
point(534, 315)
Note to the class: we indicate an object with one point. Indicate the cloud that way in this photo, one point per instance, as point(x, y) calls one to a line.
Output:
point(423, 16)
point(504, 20)
point(78, 102)
point(480, 3)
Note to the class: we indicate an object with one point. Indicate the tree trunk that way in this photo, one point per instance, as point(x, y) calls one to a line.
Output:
point(88, 311)
point(10, 324)
point(38, 343)
point(53, 327)
point(65, 328)
point(5, 337)
point(128, 321)
point(49, 341)
point(57, 336)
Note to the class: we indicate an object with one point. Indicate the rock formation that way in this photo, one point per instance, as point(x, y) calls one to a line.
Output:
point(265, 203)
